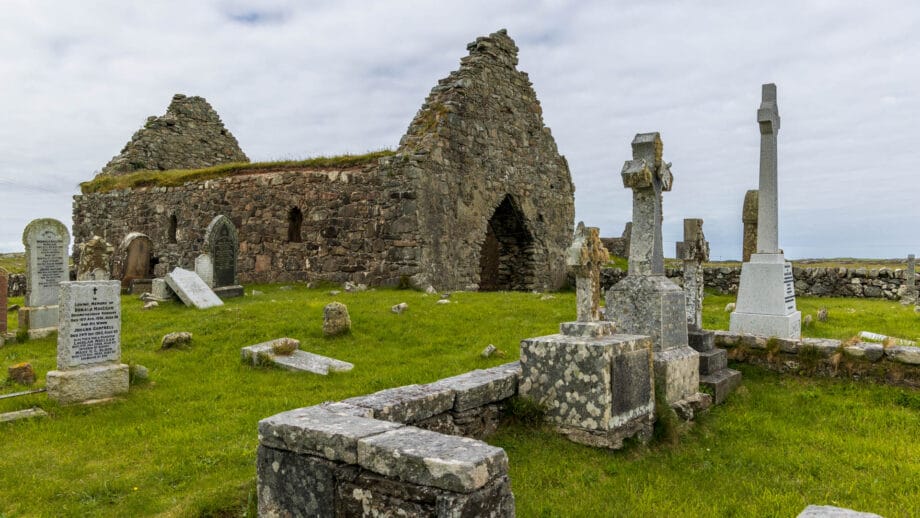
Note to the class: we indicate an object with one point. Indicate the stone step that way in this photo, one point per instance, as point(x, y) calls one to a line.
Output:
point(713, 361)
point(721, 384)
point(701, 340)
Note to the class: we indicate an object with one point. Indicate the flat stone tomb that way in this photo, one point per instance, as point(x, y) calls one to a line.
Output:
point(46, 242)
point(296, 361)
point(191, 289)
point(89, 344)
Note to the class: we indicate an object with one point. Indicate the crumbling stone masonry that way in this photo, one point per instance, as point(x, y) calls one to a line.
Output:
point(476, 196)
point(189, 136)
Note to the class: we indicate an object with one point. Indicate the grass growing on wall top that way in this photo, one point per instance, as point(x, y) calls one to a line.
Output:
point(105, 183)
point(13, 263)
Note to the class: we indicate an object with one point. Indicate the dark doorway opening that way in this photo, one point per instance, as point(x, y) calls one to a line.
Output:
point(295, 221)
point(506, 257)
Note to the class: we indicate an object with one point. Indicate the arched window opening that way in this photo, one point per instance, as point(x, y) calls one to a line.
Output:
point(173, 226)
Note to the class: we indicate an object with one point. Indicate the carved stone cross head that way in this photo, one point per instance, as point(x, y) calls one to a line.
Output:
point(647, 169)
point(768, 113)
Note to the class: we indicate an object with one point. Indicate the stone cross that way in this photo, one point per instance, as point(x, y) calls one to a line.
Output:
point(585, 258)
point(694, 251)
point(767, 209)
point(648, 176)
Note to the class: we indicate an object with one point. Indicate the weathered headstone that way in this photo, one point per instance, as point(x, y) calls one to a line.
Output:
point(223, 245)
point(766, 292)
point(95, 262)
point(749, 220)
point(693, 251)
point(46, 242)
point(597, 386)
point(204, 267)
point(585, 258)
point(191, 290)
point(646, 302)
point(133, 260)
point(908, 291)
point(4, 285)
point(89, 344)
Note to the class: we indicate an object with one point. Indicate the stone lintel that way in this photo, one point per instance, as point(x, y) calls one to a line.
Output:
point(432, 459)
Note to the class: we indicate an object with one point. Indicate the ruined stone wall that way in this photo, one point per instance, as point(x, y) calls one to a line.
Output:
point(477, 143)
point(809, 282)
point(357, 224)
point(189, 136)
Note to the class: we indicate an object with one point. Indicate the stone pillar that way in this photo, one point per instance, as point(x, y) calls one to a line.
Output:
point(46, 242)
point(693, 251)
point(749, 219)
point(908, 289)
point(766, 293)
point(646, 302)
point(89, 344)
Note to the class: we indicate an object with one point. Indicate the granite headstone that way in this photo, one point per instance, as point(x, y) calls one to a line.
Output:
point(46, 242)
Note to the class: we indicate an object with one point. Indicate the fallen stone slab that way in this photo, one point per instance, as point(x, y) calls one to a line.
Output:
point(22, 414)
point(191, 289)
point(432, 459)
point(876, 337)
point(262, 354)
point(829, 511)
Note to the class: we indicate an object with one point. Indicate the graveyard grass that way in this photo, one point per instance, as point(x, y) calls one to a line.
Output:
point(184, 443)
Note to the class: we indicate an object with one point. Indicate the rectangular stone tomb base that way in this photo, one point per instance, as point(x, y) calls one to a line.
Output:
point(649, 305)
point(260, 354)
point(229, 292)
point(82, 384)
point(39, 320)
point(597, 391)
point(677, 373)
point(766, 299)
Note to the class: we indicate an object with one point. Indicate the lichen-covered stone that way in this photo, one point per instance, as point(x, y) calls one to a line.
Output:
point(407, 404)
point(21, 373)
point(431, 459)
point(479, 387)
point(335, 319)
point(904, 354)
point(189, 136)
point(292, 485)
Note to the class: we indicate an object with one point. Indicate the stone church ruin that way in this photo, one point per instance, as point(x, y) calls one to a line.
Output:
point(476, 196)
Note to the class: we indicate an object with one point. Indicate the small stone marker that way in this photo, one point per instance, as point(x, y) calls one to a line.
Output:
point(646, 302)
point(89, 344)
point(46, 242)
point(223, 245)
point(95, 260)
point(4, 285)
point(176, 339)
point(749, 220)
point(21, 373)
point(204, 268)
point(335, 319)
point(400, 308)
point(191, 289)
point(263, 353)
point(766, 291)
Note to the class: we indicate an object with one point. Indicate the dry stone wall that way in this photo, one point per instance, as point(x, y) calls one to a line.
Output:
point(189, 136)
point(809, 282)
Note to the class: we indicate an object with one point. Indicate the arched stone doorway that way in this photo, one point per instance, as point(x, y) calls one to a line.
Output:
point(506, 257)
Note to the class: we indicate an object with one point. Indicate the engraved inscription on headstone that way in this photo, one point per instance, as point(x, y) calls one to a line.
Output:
point(223, 245)
point(90, 330)
point(46, 242)
point(789, 282)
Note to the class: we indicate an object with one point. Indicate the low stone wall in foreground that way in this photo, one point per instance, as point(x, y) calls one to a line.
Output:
point(407, 451)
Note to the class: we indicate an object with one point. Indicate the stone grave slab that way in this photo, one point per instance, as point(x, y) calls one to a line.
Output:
point(89, 344)
point(191, 289)
point(259, 354)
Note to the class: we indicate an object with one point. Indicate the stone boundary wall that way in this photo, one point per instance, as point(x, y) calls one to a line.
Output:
point(355, 224)
point(809, 282)
point(17, 285)
point(406, 451)
point(896, 365)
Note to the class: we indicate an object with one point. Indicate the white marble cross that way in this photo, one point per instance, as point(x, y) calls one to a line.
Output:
point(648, 176)
point(767, 209)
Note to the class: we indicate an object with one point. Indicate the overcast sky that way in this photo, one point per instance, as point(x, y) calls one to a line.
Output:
point(300, 79)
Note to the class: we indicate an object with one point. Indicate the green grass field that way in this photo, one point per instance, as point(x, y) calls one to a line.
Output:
point(184, 443)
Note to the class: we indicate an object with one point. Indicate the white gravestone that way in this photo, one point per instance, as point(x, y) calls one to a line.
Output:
point(191, 289)
point(46, 242)
point(766, 293)
point(204, 267)
point(89, 344)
